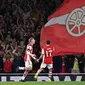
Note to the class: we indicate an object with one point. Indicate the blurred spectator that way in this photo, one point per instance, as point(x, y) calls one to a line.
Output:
point(84, 63)
point(81, 61)
point(18, 58)
point(7, 63)
point(57, 63)
point(1, 59)
point(75, 68)
point(63, 65)
point(69, 61)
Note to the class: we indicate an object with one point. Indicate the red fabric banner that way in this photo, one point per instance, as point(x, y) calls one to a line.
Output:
point(66, 28)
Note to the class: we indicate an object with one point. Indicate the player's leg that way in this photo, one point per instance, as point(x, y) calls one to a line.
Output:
point(27, 68)
point(50, 66)
point(24, 75)
point(41, 68)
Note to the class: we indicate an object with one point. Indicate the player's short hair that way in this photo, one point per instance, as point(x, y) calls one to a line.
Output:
point(48, 42)
point(30, 39)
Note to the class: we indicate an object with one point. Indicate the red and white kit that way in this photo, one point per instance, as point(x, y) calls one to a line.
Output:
point(28, 56)
point(47, 51)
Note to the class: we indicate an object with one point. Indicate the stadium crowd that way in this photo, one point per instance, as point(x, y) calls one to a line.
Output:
point(21, 19)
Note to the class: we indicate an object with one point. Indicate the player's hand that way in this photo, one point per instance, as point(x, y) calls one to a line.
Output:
point(37, 60)
point(34, 55)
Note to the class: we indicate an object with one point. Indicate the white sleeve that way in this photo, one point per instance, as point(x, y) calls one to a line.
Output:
point(28, 52)
point(33, 57)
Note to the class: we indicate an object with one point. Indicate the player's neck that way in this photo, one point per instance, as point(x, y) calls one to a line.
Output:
point(47, 45)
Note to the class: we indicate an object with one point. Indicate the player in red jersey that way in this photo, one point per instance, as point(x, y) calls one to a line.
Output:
point(47, 54)
point(27, 58)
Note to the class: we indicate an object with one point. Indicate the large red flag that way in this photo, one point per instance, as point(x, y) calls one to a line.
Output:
point(66, 28)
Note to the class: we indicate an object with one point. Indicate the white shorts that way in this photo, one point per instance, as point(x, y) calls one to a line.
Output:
point(28, 63)
point(49, 66)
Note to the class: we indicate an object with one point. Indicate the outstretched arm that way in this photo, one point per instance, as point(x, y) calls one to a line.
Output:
point(32, 55)
point(41, 56)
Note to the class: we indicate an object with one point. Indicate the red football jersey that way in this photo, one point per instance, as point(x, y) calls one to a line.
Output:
point(28, 49)
point(48, 54)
